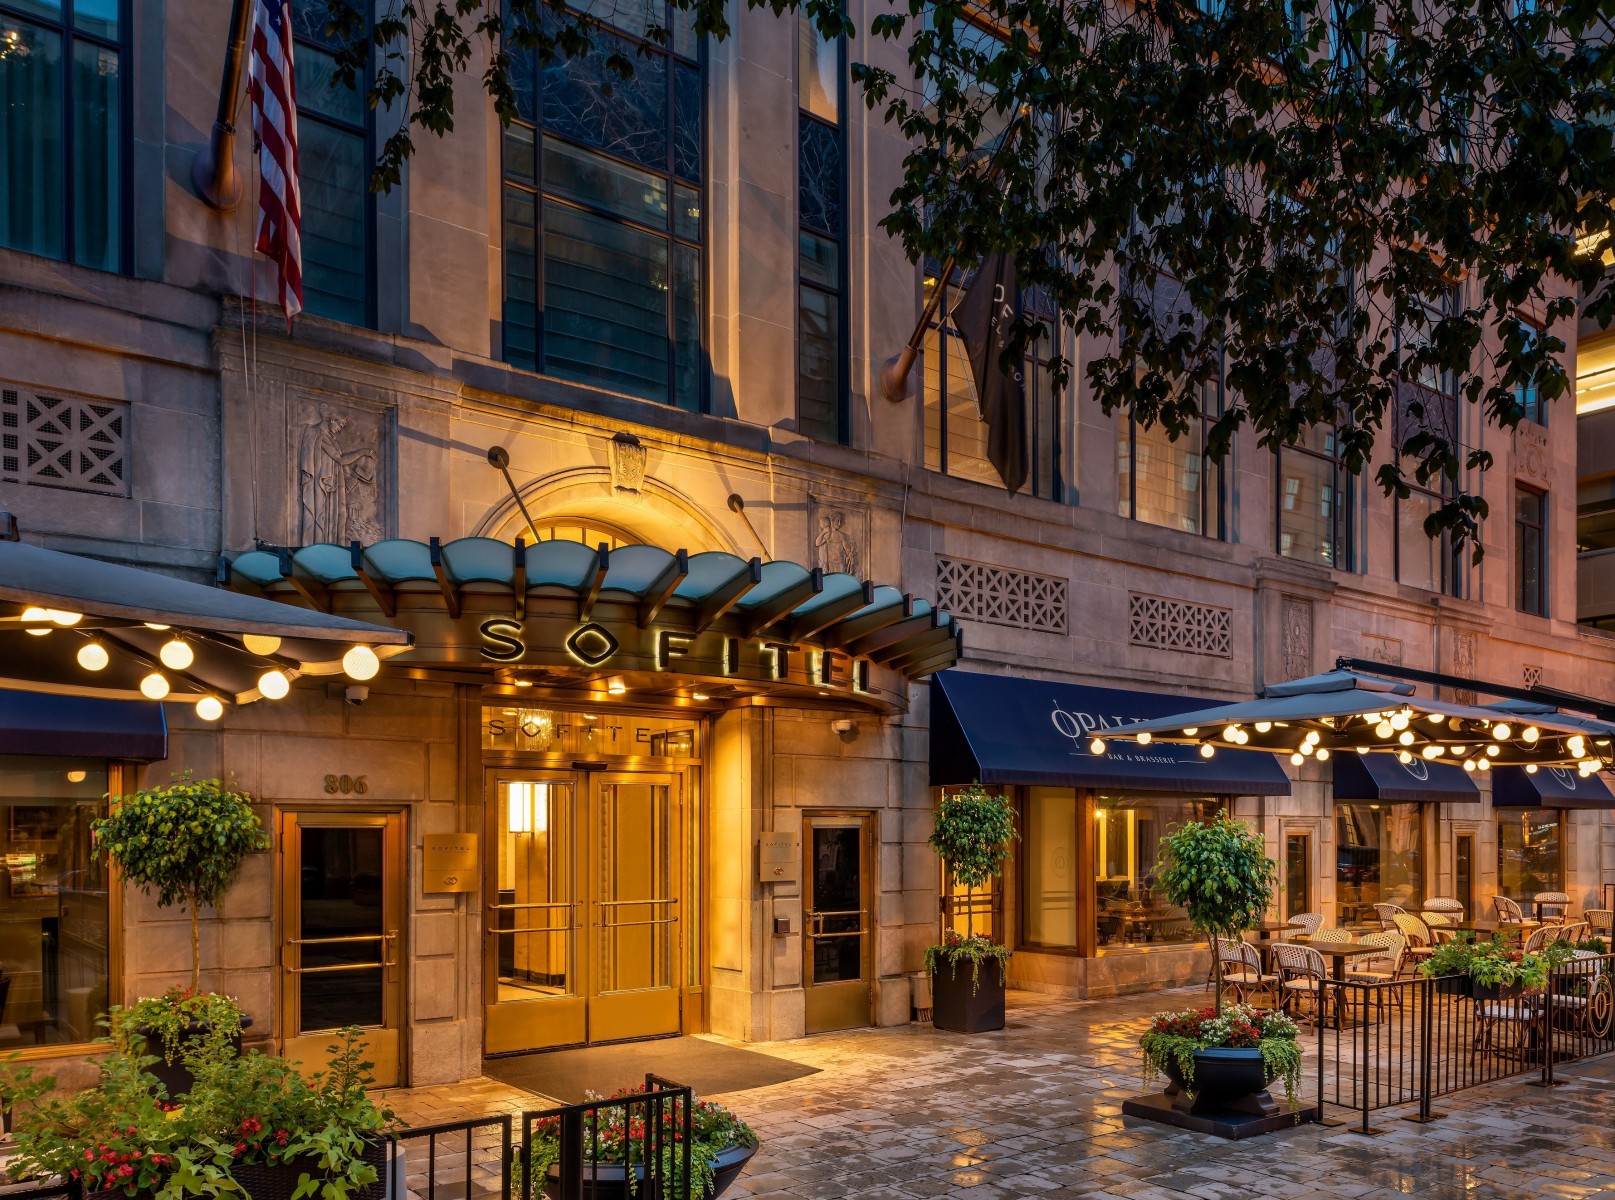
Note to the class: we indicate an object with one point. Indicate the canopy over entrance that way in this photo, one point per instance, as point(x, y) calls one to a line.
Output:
point(78, 626)
point(579, 621)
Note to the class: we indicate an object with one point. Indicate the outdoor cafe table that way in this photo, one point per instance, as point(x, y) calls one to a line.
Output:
point(1487, 929)
point(1340, 952)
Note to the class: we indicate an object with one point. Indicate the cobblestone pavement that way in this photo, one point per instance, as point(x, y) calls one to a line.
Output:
point(1035, 1111)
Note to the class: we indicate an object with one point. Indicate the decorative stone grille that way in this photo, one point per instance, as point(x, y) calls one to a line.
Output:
point(1165, 624)
point(1533, 676)
point(70, 442)
point(999, 596)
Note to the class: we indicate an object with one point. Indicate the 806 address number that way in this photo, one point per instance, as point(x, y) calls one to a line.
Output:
point(346, 785)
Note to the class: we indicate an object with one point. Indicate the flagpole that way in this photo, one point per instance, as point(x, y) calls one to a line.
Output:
point(213, 171)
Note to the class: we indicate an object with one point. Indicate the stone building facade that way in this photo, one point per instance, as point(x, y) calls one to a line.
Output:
point(209, 429)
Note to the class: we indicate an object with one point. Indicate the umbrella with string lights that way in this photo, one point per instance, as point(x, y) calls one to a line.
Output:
point(1350, 712)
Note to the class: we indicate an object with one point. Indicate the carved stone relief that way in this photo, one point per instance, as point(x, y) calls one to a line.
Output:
point(627, 455)
point(1384, 649)
point(1296, 618)
point(1464, 664)
point(839, 534)
point(337, 459)
point(1531, 451)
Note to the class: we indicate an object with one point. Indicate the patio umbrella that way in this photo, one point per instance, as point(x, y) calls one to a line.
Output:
point(71, 625)
point(1347, 711)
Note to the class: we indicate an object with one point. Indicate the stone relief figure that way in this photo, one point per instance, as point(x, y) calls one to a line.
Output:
point(337, 492)
point(833, 547)
point(1297, 620)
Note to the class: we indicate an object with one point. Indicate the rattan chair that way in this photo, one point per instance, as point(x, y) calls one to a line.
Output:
point(1387, 915)
point(1381, 968)
point(1440, 924)
point(1339, 937)
point(1302, 977)
point(1508, 912)
point(1307, 923)
point(1445, 905)
point(1553, 900)
point(1602, 921)
point(1574, 932)
point(1243, 972)
point(1420, 941)
point(1540, 937)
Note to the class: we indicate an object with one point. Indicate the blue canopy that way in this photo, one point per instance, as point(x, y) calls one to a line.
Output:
point(1001, 729)
point(1548, 787)
point(1381, 776)
point(82, 727)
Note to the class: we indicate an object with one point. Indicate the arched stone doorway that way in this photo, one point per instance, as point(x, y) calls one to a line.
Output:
point(581, 504)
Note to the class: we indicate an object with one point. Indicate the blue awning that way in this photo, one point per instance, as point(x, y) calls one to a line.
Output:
point(1548, 787)
point(82, 727)
point(1382, 776)
point(1000, 729)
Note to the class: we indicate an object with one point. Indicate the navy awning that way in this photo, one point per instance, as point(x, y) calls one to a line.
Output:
point(1001, 729)
point(1548, 787)
point(1381, 776)
point(82, 727)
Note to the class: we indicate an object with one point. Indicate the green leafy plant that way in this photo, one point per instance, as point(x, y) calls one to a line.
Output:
point(1218, 872)
point(957, 948)
point(253, 1110)
point(185, 842)
point(972, 832)
point(1495, 963)
point(617, 1135)
point(176, 1015)
point(1172, 1039)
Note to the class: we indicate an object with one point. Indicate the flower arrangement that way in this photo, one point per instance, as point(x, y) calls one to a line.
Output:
point(175, 1016)
point(617, 1135)
point(957, 948)
point(1170, 1042)
point(242, 1112)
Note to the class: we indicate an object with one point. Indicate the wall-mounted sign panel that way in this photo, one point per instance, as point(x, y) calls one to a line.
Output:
point(779, 857)
point(449, 862)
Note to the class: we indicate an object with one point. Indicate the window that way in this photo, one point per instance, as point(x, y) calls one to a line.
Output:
point(1173, 483)
point(955, 434)
point(55, 935)
point(1526, 394)
point(1463, 871)
point(333, 150)
point(1312, 511)
point(1297, 874)
point(603, 213)
point(1050, 877)
point(1379, 858)
point(1431, 401)
point(821, 342)
point(1132, 911)
point(1530, 551)
point(63, 130)
point(1529, 857)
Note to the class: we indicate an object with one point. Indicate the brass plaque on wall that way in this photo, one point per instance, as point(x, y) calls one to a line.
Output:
point(779, 856)
point(449, 862)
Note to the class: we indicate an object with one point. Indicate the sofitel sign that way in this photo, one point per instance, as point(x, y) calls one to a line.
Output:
point(627, 647)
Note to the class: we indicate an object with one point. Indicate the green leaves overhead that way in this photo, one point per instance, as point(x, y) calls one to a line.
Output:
point(972, 834)
point(1218, 872)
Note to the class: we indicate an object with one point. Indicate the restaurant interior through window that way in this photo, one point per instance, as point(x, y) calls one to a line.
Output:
point(1379, 859)
point(1529, 852)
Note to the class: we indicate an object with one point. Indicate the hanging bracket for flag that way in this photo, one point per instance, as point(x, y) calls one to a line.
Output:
point(213, 171)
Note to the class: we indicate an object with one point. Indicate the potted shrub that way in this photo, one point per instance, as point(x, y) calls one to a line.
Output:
point(185, 843)
point(252, 1125)
point(972, 833)
point(1495, 969)
point(721, 1146)
point(1224, 1058)
point(1448, 966)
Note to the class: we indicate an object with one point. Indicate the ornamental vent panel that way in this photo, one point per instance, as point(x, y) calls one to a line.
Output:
point(999, 596)
point(1164, 624)
point(70, 442)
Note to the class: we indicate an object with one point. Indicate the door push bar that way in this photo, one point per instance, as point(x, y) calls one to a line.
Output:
point(387, 961)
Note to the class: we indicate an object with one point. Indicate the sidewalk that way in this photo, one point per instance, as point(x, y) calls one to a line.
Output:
point(1035, 1111)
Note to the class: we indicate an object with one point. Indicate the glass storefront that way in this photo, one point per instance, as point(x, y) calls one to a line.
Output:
point(1379, 858)
point(1131, 909)
point(1049, 873)
point(55, 926)
point(1530, 855)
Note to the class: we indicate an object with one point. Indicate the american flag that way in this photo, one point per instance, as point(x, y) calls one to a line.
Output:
point(273, 92)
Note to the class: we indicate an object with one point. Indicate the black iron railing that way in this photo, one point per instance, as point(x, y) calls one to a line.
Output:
point(456, 1160)
point(644, 1136)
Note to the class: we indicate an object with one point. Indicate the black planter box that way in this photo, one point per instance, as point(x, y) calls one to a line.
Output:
point(963, 1001)
point(1452, 985)
point(609, 1181)
point(175, 1076)
point(1495, 991)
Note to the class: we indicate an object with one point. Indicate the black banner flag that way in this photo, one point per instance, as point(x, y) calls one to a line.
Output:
point(984, 318)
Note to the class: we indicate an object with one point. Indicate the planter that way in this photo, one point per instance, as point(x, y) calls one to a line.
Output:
point(1451, 985)
point(175, 1076)
point(1495, 991)
point(263, 1182)
point(609, 1181)
point(963, 1001)
point(1225, 1080)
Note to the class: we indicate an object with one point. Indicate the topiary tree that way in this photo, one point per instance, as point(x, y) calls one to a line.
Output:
point(972, 834)
point(184, 841)
point(1218, 872)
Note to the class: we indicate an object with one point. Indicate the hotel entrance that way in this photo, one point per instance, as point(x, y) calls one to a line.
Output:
point(586, 929)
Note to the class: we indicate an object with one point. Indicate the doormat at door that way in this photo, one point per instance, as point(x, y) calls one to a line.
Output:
point(709, 1068)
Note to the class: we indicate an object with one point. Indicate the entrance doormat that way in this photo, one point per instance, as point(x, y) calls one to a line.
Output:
point(710, 1068)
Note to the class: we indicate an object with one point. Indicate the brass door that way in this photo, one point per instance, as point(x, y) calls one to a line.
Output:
point(341, 919)
point(837, 952)
point(583, 932)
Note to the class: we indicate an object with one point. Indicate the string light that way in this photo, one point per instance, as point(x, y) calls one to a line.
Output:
point(1323, 754)
point(1469, 764)
point(259, 644)
point(1530, 768)
point(361, 663)
point(1263, 726)
point(1207, 750)
point(1493, 750)
point(1097, 746)
point(273, 685)
point(1500, 731)
point(209, 708)
point(1384, 729)
point(1405, 737)
point(1191, 731)
point(93, 656)
point(1399, 720)
point(1403, 757)
point(1230, 733)
point(1298, 758)
point(1144, 739)
point(154, 686)
point(176, 654)
point(1530, 733)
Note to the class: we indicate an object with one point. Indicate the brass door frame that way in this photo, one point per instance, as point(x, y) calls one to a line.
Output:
point(384, 1044)
point(847, 1004)
point(588, 1014)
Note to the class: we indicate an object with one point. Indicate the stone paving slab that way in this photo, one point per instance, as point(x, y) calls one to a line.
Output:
point(1034, 1111)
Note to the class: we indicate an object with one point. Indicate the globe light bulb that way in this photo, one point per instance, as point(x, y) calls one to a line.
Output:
point(1241, 737)
point(1438, 719)
point(1469, 764)
point(176, 654)
point(1312, 737)
point(1530, 768)
point(1500, 731)
point(1361, 749)
point(1432, 751)
point(361, 663)
point(1298, 758)
point(1323, 754)
point(1530, 733)
point(93, 656)
point(1384, 729)
point(1230, 733)
point(33, 614)
point(157, 627)
point(209, 708)
point(1493, 750)
point(1144, 739)
point(1191, 731)
point(1405, 737)
point(1576, 744)
point(1399, 720)
point(154, 686)
point(273, 685)
point(259, 644)
point(1097, 746)
point(1403, 757)
point(1207, 750)
point(59, 617)
point(1263, 726)
point(1482, 764)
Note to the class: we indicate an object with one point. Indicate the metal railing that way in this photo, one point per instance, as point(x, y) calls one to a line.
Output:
point(456, 1160)
point(646, 1135)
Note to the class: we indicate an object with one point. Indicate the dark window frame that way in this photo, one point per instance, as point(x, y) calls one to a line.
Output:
point(1340, 522)
point(843, 415)
point(1518, 816)
point(1521, 528)
point(64, 25)
point(1207, 466)
point(1453, 579)
point(668, 173)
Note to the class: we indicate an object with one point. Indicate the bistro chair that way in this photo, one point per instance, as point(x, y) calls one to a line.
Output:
point(1381, 968)
point(1578, 982)
point(1508, 912)
point(1301, 977)
point(1242, 970)
point(1602, 921)
point(1572, 932)
point(1336, 936)
point(1540, 937)
point(1447, 906)
point(1553, 900)
point(1505, 1025)
point(1440, 925)
point(1387, 915)
point(1224, 949)
point(1420, 942)
point(1307, 923)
